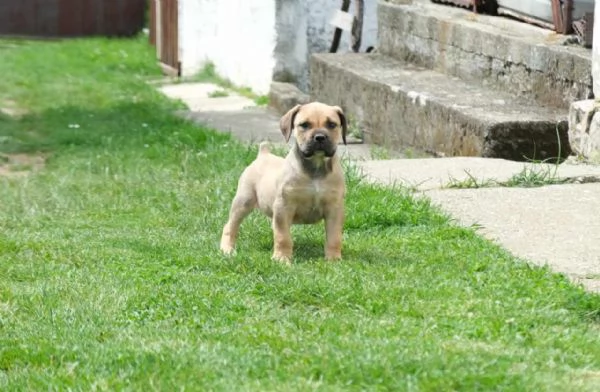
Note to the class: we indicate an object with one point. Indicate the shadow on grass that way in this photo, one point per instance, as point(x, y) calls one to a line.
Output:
point(123, 125)
point(309, 247)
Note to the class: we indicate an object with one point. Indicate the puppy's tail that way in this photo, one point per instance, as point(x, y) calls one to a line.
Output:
point(264, 148)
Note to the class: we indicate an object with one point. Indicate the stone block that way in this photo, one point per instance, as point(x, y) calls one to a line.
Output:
point(401, 105)
point(284, 96)
point(584, 129)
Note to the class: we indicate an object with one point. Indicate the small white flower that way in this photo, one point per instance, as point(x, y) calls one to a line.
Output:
point(144, 125)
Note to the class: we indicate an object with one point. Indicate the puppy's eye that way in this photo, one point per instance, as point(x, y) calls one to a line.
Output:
point(304, 125)
point(331, 125)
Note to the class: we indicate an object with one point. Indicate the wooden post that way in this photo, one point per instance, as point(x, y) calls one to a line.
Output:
point(357, 26)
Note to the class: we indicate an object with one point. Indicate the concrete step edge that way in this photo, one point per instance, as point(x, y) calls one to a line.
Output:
point(404, 105)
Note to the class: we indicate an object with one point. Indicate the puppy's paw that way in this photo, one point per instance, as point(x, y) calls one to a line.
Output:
point(333, 256)
point(227, 249)
point(283, 259)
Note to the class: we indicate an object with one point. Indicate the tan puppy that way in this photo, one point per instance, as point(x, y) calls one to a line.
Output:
point(305, 187)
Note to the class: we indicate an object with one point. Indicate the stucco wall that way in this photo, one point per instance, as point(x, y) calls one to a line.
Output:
point(250, 41)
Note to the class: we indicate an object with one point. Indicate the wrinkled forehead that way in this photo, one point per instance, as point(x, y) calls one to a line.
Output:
point(317, 115)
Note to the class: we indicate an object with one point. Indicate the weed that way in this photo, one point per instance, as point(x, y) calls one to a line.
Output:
point(534, 175)
point(470, 182)
point(262, 100)
point(218, 94)
point(354, 128)
point(379, 152)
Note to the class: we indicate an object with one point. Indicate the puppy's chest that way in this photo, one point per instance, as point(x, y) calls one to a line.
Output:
point(310, 200)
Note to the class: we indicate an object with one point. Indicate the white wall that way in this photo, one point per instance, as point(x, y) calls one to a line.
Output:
point(238, 36)
point(251, 40)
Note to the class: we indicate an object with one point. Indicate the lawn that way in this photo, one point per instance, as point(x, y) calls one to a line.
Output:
point(111, 278)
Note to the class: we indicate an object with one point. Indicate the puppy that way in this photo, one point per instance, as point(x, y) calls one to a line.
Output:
point(305, 187)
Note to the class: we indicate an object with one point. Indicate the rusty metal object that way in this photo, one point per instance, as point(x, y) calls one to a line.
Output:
point(557, 16)
point(584, 28)
point(562, 15)
point(525, 18)
point(567, 16)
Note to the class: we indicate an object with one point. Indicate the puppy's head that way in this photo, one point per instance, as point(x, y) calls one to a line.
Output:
point(317, 128)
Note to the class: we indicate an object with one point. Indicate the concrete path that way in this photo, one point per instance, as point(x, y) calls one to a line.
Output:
point(557, 225)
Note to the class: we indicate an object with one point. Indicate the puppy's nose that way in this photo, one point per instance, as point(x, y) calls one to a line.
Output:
point(320, 137)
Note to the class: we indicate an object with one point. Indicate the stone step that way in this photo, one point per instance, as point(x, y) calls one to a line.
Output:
point(401, 105)
point(513, 56)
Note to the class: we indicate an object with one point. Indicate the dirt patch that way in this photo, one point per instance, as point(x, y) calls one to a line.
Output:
point(19, 165)
point(11, 109)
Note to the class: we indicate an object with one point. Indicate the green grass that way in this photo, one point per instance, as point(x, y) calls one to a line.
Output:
point(535, 176)
point(111, 279)
point(218, 94)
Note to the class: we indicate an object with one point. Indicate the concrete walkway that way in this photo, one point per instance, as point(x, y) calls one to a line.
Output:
point(557, 225)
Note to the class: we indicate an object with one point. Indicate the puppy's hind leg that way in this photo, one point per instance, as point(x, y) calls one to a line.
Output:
point(243, 203)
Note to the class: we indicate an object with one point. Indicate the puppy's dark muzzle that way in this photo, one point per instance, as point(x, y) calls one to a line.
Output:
point(320, 141)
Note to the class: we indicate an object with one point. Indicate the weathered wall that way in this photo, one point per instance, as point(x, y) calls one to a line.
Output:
point(584, 116)
point(512, 56)
point(253, 41)
point(596, 52)
point(303, 29)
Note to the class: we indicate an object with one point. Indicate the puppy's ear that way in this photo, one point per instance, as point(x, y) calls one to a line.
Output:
point(286, 124)
point(343, 122)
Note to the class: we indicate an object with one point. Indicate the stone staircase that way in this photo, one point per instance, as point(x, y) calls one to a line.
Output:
point(453, 82)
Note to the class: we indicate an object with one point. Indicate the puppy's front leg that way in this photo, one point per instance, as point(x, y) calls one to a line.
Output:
point(334, 223)
point(242, 205)
point(282, 236)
